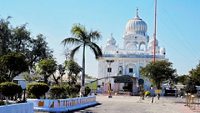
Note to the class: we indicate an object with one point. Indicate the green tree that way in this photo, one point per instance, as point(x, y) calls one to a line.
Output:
point(12, 65)
point(61, 70)
point(158, 72)
point(182, 79)
point(47, 67)
point(191, 86)
point(195, 75)
point(82, 38)
point(73, 70)
point(20, 40)
point(39, 50)
point(29, 78)
point(5, 35)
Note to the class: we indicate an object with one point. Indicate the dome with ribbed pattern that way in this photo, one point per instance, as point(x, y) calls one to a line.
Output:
point(136, 26)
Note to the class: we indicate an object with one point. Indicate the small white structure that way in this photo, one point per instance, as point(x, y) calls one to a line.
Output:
point(137, 52)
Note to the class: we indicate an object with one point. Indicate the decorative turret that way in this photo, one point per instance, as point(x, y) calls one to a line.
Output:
point(111, 41)
point(110, 45)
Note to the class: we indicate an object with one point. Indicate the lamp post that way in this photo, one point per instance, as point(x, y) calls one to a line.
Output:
point(22, 83)
point(109, 71)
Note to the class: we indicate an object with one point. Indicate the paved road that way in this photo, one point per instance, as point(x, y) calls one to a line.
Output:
point(131, 104)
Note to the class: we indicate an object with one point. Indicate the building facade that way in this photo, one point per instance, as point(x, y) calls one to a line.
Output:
point(120, 66)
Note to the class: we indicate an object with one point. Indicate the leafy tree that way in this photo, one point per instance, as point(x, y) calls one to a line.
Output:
point(29, 77)
point(73, 70)
point(20, 40)
point(5, 35)
point(37, 89)
point(182, 79)
point(82, 38)
point(39, 50)
point(192, 80)
point(158, 72)
point(61, 70)
point(12, 65)
point(47, 67)
point(191, 86)
point(195, 75)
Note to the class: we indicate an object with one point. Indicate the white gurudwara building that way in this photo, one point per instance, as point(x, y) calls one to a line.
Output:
point(123, 64)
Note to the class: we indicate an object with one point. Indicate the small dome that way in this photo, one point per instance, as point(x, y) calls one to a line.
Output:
point(136, 26)
point(111, 41)
point(131, 46)
point(162, 51)
point(151, 42)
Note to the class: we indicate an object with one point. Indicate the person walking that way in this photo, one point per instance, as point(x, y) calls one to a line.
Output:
point(152, 94)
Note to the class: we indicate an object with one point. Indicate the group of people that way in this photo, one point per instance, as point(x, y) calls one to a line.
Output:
point(151, 92)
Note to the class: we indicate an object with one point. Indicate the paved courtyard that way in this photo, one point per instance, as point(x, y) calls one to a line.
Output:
point(131, 104)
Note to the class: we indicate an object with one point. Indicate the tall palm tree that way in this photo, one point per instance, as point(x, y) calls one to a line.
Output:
point(82, 38)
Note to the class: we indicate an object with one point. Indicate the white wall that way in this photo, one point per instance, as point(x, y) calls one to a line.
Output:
point(17, 108)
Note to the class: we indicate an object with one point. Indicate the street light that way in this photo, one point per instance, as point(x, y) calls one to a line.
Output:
point(109, 71)
point(22, 83)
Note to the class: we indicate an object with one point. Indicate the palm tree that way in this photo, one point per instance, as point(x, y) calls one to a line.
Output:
point(82, 38)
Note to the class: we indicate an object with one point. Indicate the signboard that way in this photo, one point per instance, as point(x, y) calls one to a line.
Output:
point(22, 83)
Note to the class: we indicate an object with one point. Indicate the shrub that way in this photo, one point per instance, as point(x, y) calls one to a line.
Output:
point(10, 89)
point(72, 90)
point(87, 91)
point(57, 92)
point(37, 89)
point(2, 103)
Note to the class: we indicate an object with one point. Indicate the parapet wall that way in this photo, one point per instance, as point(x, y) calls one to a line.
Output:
point(60, 105)
point(17, 108)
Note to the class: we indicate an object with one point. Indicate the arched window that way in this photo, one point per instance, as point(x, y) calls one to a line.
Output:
point(142, 46)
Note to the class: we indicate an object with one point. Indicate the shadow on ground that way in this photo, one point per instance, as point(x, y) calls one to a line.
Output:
point(84, 109)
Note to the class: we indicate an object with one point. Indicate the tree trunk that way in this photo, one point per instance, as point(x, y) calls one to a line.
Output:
point(55, 79)
point(82, 92)
point(46, 79)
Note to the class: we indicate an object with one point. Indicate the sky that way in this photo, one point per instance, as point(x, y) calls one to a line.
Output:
point(178, 24)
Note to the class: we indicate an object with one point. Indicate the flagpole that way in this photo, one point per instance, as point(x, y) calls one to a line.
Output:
point(154, 35)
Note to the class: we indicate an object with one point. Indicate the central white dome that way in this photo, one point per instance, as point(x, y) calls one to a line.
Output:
point(136, 26)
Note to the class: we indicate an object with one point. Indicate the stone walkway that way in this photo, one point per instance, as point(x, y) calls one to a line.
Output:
point(132, 104)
